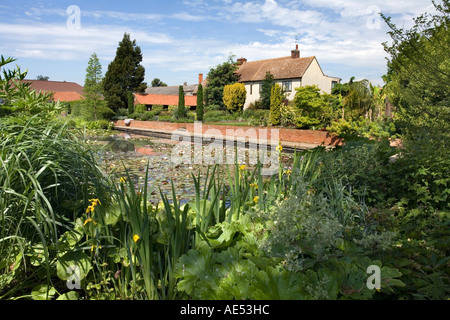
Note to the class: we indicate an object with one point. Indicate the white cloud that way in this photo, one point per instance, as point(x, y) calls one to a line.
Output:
point(56, 41)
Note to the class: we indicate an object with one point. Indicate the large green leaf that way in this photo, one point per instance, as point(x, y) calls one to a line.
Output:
point(71, 263)
point(42, 292)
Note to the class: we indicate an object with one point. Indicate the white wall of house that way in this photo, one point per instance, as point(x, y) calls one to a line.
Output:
point(314, 76)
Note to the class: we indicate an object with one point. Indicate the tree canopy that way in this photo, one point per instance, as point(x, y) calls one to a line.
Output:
point(125, 74)
point(218, 77)
point(418, 74)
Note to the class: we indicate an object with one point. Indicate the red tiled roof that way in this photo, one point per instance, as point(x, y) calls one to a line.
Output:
point(55, 86)
point(280, 68)
point(163, 99)
point(67, 96)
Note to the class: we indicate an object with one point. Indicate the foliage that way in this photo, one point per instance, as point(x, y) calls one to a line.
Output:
point(158, 83)
point(125, 74)
point(93, 89)
point(266, 90)
point(139, 108)
point(218, 77)
point(17, 96)
point(419, 73)
point(234, 96)
point(90, 110)
point(363, 127)
point(181, 111)
point(200, 112)
point(276, 102)
point(313, 108)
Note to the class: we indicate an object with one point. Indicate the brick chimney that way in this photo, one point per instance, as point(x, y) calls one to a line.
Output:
point(295, 54)
point(241, 61)
point(200, 78)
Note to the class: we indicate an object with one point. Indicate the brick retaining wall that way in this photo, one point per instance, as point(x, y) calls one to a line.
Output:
point(284, 134)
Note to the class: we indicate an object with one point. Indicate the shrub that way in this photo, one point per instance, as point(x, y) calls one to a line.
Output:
point(234, 96)
point(276, 101)
point(140, 108)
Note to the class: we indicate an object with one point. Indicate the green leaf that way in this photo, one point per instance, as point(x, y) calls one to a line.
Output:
point(42, 292)
point(71, 261)
point(71, 295)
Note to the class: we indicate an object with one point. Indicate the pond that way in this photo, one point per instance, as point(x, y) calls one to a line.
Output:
point(124, 154)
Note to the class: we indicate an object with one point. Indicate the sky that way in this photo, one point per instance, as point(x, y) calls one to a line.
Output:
point(180, 39)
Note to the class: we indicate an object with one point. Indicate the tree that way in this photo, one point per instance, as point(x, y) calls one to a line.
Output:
point(266, 90)
point(419, 74)
point(234, 96)
point(93, 87)
point(200, 103)
point(276, 101)
point(181, 110)
point(217, 79)
point(125, 74)
point(42, 78)
point(158, 83)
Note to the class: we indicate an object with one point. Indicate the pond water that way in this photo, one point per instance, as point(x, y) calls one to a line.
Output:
point(123, 154)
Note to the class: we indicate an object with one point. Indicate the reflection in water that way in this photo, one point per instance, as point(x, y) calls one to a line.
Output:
point(129, 155)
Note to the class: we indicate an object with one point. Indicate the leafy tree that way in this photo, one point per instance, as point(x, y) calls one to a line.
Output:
point(276, 101)
point(200, 103)
point(158, 83)
point(266, 90)
point(181, 110)
point(125, 73)
point(234, 96)
point(42, 78)
point(419, 73)
point(218, 78)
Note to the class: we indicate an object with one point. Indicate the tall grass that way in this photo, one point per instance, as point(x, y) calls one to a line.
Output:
point(46, 178)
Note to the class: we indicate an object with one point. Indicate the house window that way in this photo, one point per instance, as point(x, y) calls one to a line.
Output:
point(251, 89)
point(287, 86)
point(333, 84)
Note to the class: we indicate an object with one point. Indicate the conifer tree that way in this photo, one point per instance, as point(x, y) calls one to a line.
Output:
point(125, 74)
point(93, 88)
point(276, 100)
point(200, 103)
point(181, 111)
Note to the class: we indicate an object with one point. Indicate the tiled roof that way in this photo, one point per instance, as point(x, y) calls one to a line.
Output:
point(55, 86)
point(172, 90)
point(280, 68)
point(67, 96)
point(163, 99)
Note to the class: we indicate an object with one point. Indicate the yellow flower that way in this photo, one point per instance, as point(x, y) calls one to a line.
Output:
point(288, 172)
point(279, 148)
point(89, 220)
point(255, 199)
point(95, 202)
point(122, 179)
point(254, 185)
point(95, 246)
point(90, 209)
point(242, 167)
point(135, 238)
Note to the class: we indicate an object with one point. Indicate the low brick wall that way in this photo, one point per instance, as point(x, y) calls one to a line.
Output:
point(289, 135)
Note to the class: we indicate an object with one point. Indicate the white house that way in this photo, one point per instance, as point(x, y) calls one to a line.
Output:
point(289, 72)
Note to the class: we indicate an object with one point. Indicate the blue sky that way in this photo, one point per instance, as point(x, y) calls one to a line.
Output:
point(180, 39)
